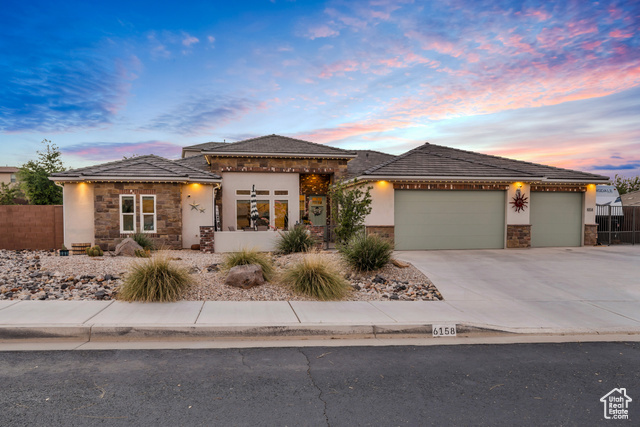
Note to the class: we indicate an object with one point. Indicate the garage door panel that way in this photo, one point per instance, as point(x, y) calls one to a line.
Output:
point(556, 219)
point(449, 219)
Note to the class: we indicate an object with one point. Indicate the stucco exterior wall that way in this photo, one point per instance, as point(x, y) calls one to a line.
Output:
point(232, 181)
point(382, 205)
point(590, 204)
point(78, 208)
point(522, 217)
point(234, 241)
point(192, 219)
point(5, 177)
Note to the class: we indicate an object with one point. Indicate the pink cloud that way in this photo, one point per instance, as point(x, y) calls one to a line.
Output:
point(540, 15)
point(107, 151)
point(350, 130)
point(591, 45)
point(321, 32)
point(338, 68)
point(618, 34)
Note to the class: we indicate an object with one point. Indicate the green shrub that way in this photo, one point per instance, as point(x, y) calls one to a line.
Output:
point(154, 280)
point(297, 239)
point(315, 276)
point(141, 253)
point(143, 240)
point(366, 252)
point(94, 251)
point(249, 256)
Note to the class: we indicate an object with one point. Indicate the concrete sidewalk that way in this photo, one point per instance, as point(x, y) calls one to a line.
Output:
point(556, 291)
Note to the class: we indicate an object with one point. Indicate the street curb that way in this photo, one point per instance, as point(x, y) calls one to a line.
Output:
point(181, 332)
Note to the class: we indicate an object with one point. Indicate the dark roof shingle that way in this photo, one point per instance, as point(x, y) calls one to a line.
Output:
point(149, 166)
point(366, 159)
point(279, 145)
point(430, 160)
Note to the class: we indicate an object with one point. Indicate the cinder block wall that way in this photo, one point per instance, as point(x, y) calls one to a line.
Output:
point(31, 227)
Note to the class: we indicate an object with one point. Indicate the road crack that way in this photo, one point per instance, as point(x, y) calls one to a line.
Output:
point(242, 358)
point(326, 417)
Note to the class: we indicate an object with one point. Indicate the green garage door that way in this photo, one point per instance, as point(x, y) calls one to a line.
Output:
point(449, 219)
point(556, 219)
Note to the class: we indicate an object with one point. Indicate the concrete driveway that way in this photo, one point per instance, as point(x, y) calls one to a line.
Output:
point(579, 289)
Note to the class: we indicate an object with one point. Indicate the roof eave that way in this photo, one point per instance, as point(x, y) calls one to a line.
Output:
point(285, 155)
point(478, 178)
point(133, 179)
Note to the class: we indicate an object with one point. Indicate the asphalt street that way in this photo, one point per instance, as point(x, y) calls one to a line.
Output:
point(516, 384)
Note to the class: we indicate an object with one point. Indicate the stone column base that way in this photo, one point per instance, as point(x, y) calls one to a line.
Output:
point(590, 234)
point(384, 231)
point(519, 236)
point(206, 239)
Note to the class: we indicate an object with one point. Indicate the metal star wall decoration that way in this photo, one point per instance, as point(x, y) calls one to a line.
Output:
point(194, 206)
point(202, 210)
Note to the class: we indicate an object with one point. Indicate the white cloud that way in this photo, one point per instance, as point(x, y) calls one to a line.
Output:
point(189, 40)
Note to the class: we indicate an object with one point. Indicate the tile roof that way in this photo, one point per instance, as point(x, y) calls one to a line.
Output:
point(149, 166)
point(204, 146)
point(8, 169)
point(198, 162)
point(430, 160)
point(631, 199)
point(280, 146)
point(366, 159)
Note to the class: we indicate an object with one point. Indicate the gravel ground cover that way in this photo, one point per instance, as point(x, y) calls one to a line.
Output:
point(42, 275)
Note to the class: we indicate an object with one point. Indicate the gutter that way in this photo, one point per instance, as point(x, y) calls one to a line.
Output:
point(132, 179)
point(284, 155)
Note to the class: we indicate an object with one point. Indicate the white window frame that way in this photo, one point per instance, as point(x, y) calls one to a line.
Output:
point(155, 214)
point(122, 231)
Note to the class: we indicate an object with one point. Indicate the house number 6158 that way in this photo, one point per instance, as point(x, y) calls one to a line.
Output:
point(444, 331)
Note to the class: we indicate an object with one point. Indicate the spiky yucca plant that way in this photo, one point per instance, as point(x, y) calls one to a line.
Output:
point(298, 239)
point(366, 252)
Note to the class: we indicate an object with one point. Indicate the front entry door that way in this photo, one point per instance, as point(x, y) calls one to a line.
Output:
point(318, 210)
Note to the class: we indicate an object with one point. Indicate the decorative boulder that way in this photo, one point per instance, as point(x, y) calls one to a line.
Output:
point(195, 247)
point(245, 276)
point(128, 247)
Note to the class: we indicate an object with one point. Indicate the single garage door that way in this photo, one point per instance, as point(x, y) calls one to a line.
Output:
point(556, 219)
point(449, 219)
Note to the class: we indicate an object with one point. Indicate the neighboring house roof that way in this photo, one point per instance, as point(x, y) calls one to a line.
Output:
point(278, 146)
point(201, 147)
point(140, 168)
point(631, 199)
point(8, 169)
point(366, 160)
point(435, 161)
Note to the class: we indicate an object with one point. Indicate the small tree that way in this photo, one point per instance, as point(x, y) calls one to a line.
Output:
point(34, 176)
point(350, 205)
point(8, 194)
point(626, 185)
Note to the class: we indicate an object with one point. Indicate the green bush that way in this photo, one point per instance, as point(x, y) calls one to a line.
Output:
point(297, 239)
point(154, 280)
point(94, 251)
point(143, 240)
point(315, 276)
point(247, 257)
point(366, 252)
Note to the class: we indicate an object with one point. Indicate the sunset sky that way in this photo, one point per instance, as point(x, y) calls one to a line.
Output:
point(549, 82)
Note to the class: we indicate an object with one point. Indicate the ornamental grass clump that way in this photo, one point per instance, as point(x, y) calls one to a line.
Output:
point(154, 280)
point(315, 276)
point(298, 239)
point(143, 240)
point(366, 252)
point(247, 257)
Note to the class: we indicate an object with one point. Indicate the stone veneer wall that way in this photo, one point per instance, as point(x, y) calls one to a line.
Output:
point(518, 236)
point(207, 238)
point(338, 167)
point(384, 231)
point(107, 212)
point(590, 234)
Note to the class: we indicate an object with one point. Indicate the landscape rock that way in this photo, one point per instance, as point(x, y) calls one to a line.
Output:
point(245, 276)
point(128, 247)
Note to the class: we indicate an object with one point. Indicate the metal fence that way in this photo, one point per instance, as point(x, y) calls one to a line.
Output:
point(617, 225)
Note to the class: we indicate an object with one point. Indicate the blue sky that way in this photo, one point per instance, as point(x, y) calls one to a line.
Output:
point(550, 82)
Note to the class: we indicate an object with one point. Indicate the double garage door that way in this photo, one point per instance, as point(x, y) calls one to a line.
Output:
point(476, 219)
